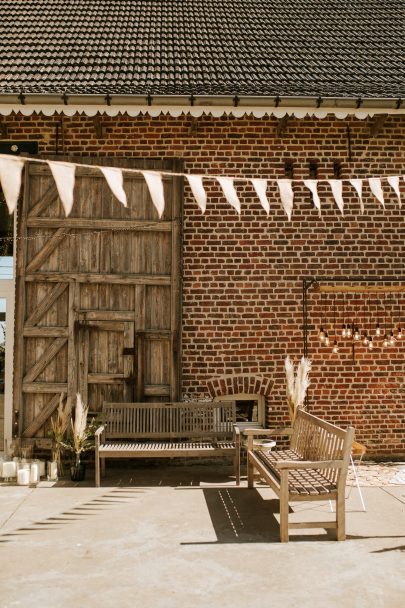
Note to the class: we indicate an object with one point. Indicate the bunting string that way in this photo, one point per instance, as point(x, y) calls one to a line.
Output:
point(64, 175)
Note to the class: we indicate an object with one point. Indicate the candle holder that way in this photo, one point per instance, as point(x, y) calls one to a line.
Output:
point(52, 470)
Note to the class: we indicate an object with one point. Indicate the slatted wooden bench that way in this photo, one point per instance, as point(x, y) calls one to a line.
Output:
point(166, 430)
point(314, 467)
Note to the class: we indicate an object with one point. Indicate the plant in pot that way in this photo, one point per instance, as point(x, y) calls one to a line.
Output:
point(81, 438)
point(59, 427)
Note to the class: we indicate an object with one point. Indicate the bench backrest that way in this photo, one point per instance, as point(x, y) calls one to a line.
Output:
point(316, 439)
point(169, 420)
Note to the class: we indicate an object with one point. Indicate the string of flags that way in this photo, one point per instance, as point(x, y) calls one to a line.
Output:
point(63, 173)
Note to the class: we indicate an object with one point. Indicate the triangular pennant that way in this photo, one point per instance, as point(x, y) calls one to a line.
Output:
point(337, 189)
point(64, 176)
point(230, 192)
point(260, 185)
point(393, 181)
point(10, 179)
point(155, 185)
point(375, 187)
point(115, 180)
point(312, 185)
point(286, 195)
point(197, 188)
point(358, 186)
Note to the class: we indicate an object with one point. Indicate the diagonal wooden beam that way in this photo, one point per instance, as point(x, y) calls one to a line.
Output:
point(45, 359)
point(42, 417)
point(45, 304)
point(47, 249)
point(50, 195)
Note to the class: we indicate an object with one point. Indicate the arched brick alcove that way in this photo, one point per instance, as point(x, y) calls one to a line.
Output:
point(235, 384)
point(243, 388)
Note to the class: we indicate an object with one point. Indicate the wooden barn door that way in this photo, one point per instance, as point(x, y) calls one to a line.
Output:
point(98, 306)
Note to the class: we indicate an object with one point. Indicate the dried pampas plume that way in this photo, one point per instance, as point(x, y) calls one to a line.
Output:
point(296, 384)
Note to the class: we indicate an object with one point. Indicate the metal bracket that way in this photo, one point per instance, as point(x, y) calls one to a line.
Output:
point(282, 124)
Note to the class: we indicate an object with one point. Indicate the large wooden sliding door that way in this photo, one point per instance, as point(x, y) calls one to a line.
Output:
point(98, 306)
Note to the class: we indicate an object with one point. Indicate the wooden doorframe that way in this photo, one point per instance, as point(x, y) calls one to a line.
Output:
point(71, 283)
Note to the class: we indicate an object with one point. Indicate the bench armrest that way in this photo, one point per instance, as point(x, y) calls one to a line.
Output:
point(97, 434)
point(283, 430)
point(308, 464)
point(251, 433)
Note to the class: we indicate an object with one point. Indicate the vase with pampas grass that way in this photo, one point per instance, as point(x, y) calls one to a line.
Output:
point(81, 438)
point(59, 427)
point(297, 383)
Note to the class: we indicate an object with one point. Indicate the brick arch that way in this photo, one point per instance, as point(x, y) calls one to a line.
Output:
point(235, 384)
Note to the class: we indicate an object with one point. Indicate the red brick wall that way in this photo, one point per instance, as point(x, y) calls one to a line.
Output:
point(242, 290)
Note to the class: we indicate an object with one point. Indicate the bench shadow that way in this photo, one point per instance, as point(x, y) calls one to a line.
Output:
point(239, 515)
point(81, 512)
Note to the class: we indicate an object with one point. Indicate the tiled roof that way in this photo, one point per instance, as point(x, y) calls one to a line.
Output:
point(342, 48)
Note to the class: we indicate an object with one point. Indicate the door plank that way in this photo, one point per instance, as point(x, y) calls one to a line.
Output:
point(45, 304)
point(74, 296)
point(46, 332)
point(44, 387)
point(47, 249)
point(106, 378)
point(45, 359)
point(42, 417)
point(106, 315)
point(45, 201)
point(99, 224)
point(94, 277)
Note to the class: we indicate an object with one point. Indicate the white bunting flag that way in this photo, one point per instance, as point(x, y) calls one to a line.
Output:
point(260, 185)
point(286, 195)
point(64, 176)
point(312, 185)
point(393, 181)
point(337, 189)
point(375, 187)
point(230, 192)
point(115, 180)
point(197, 188)
point(10, 179)
point(358, 186)
point(155, 185)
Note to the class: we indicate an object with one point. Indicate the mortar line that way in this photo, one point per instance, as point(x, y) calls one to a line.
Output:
point(16, 509)
point(393, 496)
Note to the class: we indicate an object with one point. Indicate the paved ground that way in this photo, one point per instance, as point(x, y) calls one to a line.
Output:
point(177, 536)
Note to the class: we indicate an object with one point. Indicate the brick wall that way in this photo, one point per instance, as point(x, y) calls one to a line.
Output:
point(242, 291)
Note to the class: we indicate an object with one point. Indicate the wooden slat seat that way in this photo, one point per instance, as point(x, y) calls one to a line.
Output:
point(300, 481)
point(314, 467)
point(167, 430)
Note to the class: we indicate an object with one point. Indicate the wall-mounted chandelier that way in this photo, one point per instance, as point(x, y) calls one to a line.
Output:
point(368, 315)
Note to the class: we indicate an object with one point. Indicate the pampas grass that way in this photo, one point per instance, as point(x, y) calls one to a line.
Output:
point(296, 384)
point(81, 429)
point(59, 426)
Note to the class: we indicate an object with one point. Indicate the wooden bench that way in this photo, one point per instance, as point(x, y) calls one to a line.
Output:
point(314, 467)
point(166, 430)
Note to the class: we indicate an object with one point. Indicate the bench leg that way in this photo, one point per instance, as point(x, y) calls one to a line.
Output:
point(97, 464)
point(340, 516)
point(236, 464)
point(250, 472)
point(284, 507)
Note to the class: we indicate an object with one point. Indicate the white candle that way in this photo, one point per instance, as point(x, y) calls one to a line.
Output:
point(34, 478)
point(9, 469)
point(52, 471)
point(23, 477)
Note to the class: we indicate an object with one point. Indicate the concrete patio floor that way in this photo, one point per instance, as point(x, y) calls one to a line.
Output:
point(185, 536)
